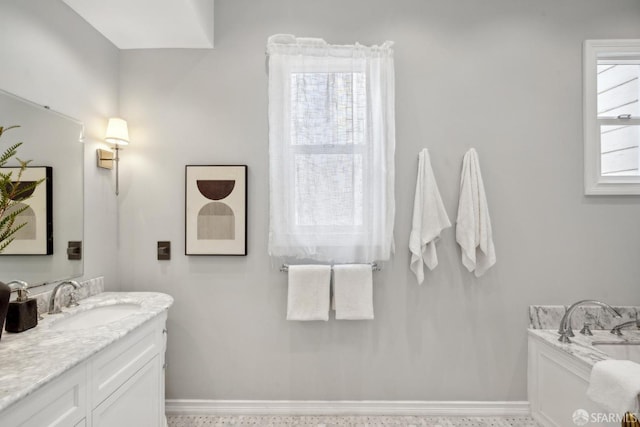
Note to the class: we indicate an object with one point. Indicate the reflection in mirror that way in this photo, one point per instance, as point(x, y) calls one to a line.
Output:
point(51, 140)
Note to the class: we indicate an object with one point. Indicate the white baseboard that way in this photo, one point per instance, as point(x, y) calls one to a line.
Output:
point(342, 407)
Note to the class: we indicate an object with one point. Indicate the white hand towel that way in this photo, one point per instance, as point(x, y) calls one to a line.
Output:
point(473, 229)
point(309, 287)
point(429, 219)
point(353, 291)
point(615, 384)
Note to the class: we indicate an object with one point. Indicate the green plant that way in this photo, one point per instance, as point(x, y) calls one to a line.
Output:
point(12, 193)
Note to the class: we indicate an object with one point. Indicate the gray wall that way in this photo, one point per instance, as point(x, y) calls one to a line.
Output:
point(502, 76)
point(51, 56)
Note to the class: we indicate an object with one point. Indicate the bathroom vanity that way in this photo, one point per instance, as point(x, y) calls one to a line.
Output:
point(559, 373)
point(98, 364)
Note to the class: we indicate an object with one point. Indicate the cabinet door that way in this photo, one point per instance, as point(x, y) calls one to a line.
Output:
point(122, 359)
point(135, 403)
point(61, 403)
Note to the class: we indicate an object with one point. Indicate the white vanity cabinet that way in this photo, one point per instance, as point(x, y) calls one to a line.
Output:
point(120, 386)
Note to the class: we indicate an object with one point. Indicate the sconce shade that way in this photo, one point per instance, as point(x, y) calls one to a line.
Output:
point(117, 132)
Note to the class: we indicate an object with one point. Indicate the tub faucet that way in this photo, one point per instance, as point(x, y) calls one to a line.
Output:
point(565, 330)
point(52, 299)
point(617, 329)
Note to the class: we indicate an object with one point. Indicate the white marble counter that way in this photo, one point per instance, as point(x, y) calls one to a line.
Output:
point(33, 358)
point(582, 347)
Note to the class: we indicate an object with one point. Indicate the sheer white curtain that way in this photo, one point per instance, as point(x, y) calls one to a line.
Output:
point(331, 150)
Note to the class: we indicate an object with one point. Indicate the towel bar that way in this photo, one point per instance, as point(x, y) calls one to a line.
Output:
point(374, 267)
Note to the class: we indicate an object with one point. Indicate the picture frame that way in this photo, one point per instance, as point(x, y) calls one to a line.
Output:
point(216, 210)
point(36, 237)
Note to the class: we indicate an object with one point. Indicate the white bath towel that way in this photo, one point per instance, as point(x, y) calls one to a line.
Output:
point(353, 291)
point(615, 385)
point(309, 288)
point(473, 228)
point(429, 219)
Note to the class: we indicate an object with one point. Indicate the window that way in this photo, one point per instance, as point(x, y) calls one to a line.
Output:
point(327, 144)
point(612, 116)
point(331, 145)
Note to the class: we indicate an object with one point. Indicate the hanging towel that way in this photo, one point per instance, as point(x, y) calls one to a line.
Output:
point(615, 384)
point(473, 229)
point(353, 291)
point(429, 219)
point(308, 297)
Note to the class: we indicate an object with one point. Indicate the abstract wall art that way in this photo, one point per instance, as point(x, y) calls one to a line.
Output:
point(36, 236)
point(216, 210)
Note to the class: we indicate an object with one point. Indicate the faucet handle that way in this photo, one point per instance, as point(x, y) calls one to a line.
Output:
point(73, 299)
point(563, 338)
point(616, 331)
point(586, 329)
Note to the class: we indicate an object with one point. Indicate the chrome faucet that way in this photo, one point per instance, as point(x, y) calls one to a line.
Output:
point(565, 330)
point(617, 329)
point(52, 299)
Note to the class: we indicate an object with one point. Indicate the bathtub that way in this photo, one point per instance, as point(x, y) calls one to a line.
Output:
point(620, 350)
point(558, 374)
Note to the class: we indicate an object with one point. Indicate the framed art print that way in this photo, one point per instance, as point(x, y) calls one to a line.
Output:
point(216, 210)
point(36, 236)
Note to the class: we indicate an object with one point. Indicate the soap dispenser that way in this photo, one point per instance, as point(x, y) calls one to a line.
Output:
point(22, 313)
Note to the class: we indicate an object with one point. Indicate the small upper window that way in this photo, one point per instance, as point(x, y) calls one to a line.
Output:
point(612, 116)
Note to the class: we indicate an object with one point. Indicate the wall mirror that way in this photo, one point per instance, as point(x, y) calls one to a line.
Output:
point(51, 140)
point(612, 116)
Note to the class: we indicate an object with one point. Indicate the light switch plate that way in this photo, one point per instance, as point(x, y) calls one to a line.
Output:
point(74, 250)
point(164, 251)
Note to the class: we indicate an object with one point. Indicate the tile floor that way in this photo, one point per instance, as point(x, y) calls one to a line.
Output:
point(346, 421)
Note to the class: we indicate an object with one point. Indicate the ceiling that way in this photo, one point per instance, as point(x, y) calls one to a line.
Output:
point(150, 24)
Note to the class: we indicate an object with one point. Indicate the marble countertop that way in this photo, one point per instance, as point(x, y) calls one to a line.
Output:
point(33, 358)
point(582, 346)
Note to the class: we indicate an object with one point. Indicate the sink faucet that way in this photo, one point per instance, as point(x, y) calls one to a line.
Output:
point(52, 299)
point(565, 330)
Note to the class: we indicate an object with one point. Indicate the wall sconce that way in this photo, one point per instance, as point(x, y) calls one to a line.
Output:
point(118, 135)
